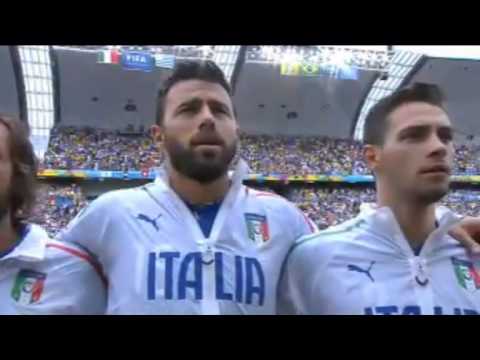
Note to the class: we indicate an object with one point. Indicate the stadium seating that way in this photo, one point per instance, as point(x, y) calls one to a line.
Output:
point(95, 149)
point(86, 148)
point(57, 205)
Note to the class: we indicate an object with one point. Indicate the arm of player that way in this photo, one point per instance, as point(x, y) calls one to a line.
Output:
point(83, 289)
point(468, 234)
point(305, 226)
point(296, 281)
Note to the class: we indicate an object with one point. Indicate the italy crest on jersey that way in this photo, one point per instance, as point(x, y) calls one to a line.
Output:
point(28, 286)
point(467, 275)
point(257, 228)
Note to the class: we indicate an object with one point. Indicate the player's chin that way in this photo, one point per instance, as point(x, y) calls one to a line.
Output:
point(435, 193)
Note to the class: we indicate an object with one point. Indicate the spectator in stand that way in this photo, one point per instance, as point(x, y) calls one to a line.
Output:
point(56, 206)
point(84, 148)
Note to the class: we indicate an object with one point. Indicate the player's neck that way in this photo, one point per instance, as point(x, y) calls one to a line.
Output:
point(8, 235)
point(197, 193)
point(416, 220)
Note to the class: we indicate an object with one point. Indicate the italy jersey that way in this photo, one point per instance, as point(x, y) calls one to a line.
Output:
point(159, 261)
point(43, 276)
point(366, 266)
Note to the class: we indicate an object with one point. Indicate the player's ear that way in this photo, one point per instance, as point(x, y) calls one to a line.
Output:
point(156, 132)
point(372, 156)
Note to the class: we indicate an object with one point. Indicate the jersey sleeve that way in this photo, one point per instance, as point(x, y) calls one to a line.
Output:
point(84, 289)
point(297, 280)
point(305, 226)
point(89, 228)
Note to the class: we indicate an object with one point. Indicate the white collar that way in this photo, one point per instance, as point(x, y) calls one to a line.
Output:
point(443, 215)
point(383, 222)
point(31, 247)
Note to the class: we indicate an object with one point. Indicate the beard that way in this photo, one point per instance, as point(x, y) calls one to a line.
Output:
point(4, 204)
point(202, 166)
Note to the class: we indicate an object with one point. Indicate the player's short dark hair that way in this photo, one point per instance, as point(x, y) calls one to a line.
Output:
point(190, 70)
point(376, 122)
point(24, 170)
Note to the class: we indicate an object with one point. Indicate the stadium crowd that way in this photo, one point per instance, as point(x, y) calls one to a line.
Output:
point(57, 205)
point(328, 207)
point(86, 148)
point(93, 149)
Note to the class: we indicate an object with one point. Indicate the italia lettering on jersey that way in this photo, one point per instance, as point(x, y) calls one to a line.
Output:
point(248, 277)
point(416, 310)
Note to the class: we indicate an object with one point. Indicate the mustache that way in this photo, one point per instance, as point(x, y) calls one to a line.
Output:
point(207, 138)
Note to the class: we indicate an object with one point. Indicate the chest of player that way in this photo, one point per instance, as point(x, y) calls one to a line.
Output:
point(398, 285)
point(170, 260)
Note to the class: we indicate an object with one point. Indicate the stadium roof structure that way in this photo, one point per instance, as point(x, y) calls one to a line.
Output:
point(46, 83)
point(459, 79)
point(454, 68)
point(268, 101)
point(224, 55)
point(271, 103)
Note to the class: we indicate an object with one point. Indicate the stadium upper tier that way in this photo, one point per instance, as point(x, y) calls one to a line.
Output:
point(106, 150)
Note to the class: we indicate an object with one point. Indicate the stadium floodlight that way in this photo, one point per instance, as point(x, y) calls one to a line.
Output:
point(207, 51)
point(337, 58)
point(365, 59)
point(290, 57)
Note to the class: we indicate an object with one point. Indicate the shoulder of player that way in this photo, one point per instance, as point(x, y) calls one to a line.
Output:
point(118, 198)
point(67, 256)
point(278, 205)
point(121, 194)
point(332, 237)
point(268, 198)
point(58, 250)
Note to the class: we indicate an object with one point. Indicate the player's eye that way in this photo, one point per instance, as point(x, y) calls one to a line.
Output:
point(412, 135)
point(446, 136)
point(187, 110)
point(221, 111)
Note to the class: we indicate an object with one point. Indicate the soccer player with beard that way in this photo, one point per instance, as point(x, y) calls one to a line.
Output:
point(37, 275)
point(396, 257)
point(195, 241)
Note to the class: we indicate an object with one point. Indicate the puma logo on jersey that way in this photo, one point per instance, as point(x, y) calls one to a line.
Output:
point(360, 270)
point(149, 220)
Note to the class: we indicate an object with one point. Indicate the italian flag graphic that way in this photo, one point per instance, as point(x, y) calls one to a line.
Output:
point(467, 276)
point(109, 57)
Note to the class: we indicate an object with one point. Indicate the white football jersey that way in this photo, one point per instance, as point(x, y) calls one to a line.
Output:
point(158, 261)
point(366, 266)
point(43, 276)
